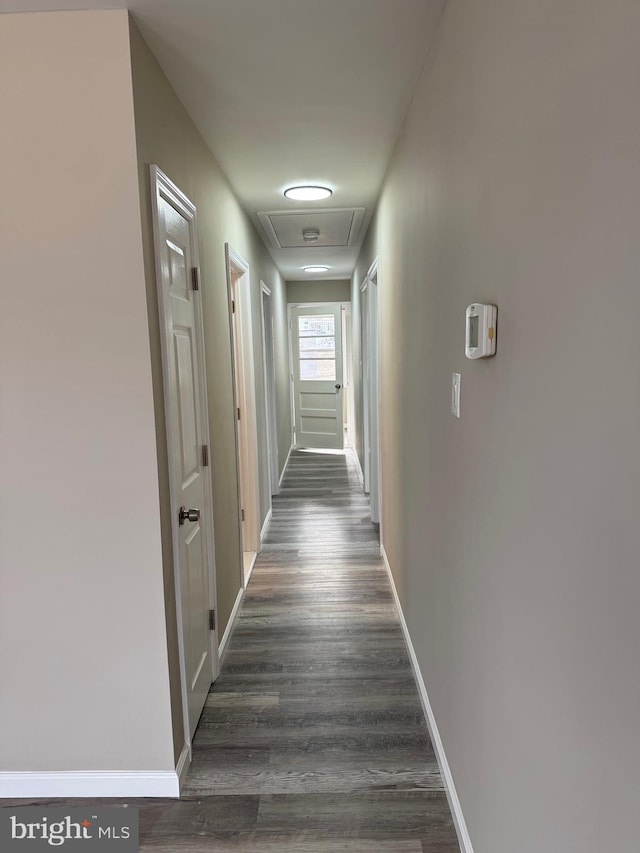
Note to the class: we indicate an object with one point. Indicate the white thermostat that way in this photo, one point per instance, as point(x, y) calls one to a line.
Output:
point(480, 337)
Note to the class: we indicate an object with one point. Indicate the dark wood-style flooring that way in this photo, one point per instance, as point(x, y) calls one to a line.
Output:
point(313, 738)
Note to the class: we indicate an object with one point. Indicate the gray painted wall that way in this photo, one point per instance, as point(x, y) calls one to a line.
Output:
point(512, 533)
point(167, 137)
point(83, 651)
point(318, 291)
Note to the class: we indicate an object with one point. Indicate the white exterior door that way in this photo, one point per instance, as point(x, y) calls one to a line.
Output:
point(316, 347)
point(187, 431)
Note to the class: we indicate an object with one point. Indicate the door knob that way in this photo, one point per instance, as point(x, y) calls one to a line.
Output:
point(338, 387)
point(188, 515)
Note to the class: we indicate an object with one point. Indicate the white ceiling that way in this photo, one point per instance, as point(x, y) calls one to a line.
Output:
point(288, 92)
point(285, 229)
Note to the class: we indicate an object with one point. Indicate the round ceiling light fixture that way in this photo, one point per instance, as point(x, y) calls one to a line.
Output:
point(316, 269)
point(308, 193)
point(310, 235)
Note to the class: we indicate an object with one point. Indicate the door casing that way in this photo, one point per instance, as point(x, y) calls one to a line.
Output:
point(163, 187)
point(370, 389)
point(268, 361)
point(241, 331)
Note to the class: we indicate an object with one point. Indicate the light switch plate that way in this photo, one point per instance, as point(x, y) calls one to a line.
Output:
point(455, 394)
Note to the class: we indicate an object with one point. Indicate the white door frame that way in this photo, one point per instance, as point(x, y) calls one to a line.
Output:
point(290, 307)
point(268, 362)
point(245, 400)
point(370, 389)
point(347, 373)
point(163, 187)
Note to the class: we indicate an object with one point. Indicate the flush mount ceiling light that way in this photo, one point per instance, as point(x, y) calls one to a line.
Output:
point(308, 193)
point(315, 269)
point(310, 235)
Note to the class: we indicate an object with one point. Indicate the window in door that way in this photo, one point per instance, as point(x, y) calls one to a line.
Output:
point(317, 346)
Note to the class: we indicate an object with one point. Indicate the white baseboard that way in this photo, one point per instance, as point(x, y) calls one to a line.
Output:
point(227, 631)
point(183, 764)
point(97, 783)
point(454, 803)
point(266, 524)
point(358, 466)
point(284, 467)
point(251, 568)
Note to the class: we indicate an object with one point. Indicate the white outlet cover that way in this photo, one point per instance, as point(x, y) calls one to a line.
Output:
point(455, 394)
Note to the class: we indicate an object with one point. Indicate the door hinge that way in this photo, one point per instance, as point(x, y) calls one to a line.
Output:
point(238, 412)
point(242, 513)
point(195, 278)
point(212, 620)
point(233, 306)
point(205, 455)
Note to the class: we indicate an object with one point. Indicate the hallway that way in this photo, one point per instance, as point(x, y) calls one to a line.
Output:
point(313, 738)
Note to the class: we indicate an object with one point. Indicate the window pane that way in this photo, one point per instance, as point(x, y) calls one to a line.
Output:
point(323, 353)
point(327, 343)
point(317, 369)
point(313, 325)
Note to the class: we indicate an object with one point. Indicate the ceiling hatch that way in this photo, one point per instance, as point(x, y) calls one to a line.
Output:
point(335, 227)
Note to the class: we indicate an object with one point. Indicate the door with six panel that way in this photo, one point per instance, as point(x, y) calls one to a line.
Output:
point(187, 430)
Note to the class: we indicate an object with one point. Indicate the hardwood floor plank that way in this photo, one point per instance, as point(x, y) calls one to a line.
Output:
point(409, 813)
point(207, 783)
point(260, 843)
point(175, 819)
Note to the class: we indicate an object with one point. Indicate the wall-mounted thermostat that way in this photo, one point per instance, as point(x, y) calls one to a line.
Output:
point(480, 338)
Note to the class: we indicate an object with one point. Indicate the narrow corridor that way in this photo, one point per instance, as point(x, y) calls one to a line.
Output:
point(313, 738)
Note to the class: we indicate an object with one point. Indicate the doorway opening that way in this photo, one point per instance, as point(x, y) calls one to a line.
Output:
point(239, 292)
point(268, 360)
point(369, 338)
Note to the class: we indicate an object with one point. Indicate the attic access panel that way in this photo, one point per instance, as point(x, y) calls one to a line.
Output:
point(337, 227)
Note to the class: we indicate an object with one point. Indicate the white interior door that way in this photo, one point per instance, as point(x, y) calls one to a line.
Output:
point(242, 440)
point(369, 338)
point(239, 284)
point(316, 347)
point(187, 433)
point(270, 388)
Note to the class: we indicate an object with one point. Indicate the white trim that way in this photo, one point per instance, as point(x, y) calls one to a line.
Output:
point(369, 343)
point(232, 618)
point(454, 803)
point(183, 763)
point(246, 386)
point(269, 378)
point(81, 783)
point(333, 302)
point(252, 566)
point(161, 185)
point(347, 370)
point(284, 467)
point(358, 467)
point(266, 524)
point(292, 392)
